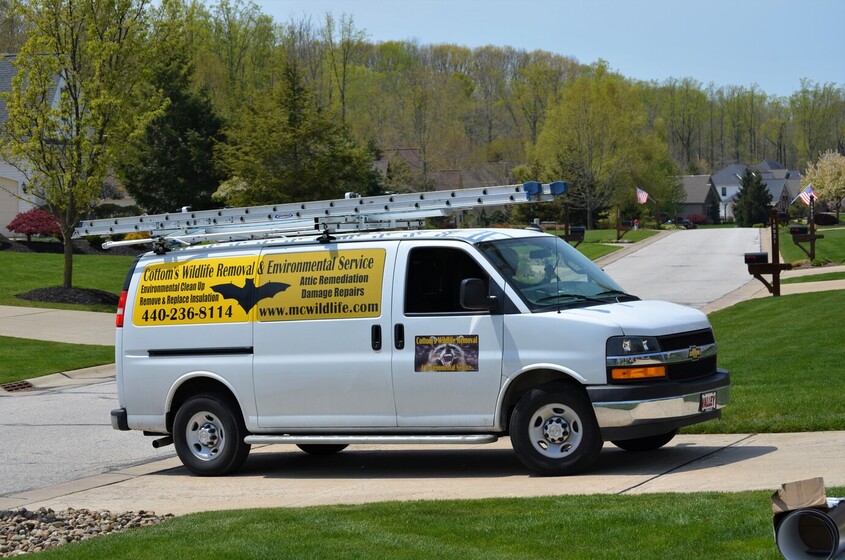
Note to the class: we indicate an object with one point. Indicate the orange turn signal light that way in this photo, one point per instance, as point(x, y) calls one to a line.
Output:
point(630, 374)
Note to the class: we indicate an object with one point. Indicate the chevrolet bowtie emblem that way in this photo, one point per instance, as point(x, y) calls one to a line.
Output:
point(694, 353)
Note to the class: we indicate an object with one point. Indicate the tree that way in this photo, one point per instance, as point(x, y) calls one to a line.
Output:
point(753, 201)
point(827, 176)
point(342, 53)
point(685, 107)
point(35, 222)
point(12, 28)
point(282, 149)
point(171, 164)
point(596, 139)
point(813, 109)
point(92, 50)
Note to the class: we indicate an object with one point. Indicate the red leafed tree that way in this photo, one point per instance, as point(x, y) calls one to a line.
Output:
point(35, 222)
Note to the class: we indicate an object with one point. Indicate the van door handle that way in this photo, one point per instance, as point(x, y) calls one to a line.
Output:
point(399, 336)
point(375, 337)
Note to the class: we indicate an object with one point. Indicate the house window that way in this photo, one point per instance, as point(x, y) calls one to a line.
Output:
point(724, 191)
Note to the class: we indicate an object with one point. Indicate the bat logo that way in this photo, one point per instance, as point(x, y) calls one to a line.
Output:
point(249, 294)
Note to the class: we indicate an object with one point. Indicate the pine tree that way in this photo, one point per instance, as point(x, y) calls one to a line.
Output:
point(753, 202)
point(172, 164)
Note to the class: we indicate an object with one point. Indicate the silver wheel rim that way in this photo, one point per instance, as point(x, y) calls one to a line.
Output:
point(555, 431)
point(205, 436)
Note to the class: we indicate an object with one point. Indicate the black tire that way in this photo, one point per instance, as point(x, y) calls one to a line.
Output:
point(208, 433)
point(554, 432)
point(649, 443)
point(322, 448)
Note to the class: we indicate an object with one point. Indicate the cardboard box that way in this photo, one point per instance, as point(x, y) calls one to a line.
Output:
point(808, 493)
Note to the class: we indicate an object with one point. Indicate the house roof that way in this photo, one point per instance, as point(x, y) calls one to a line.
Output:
point(727, 177)
point(697, 188)
point(767, 165)
point(7, 73)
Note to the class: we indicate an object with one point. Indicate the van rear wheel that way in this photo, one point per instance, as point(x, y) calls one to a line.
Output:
point(209, 436)
point(554, 432)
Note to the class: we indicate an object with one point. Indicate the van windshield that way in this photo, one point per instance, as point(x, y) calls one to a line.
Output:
point(547, 273)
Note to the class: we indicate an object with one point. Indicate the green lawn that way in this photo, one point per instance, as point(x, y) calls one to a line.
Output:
point(23, 272)
point(785, 356)
point(22, 358)
point(635, 527)
point(822, 277)
point(832, 247)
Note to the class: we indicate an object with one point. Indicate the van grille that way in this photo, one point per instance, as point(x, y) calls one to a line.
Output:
point(692, 369)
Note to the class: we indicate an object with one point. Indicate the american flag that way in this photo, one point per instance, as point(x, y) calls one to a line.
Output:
point(642, 196)
point(806, 194)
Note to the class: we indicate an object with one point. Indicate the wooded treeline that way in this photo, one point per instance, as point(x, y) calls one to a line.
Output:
point(285, 110)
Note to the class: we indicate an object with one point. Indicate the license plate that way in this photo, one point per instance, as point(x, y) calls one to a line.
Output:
point(707, 402)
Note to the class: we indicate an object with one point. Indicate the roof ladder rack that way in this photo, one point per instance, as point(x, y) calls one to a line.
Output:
point(354, 213)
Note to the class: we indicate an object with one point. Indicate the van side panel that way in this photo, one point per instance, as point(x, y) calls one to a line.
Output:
point(322, 346)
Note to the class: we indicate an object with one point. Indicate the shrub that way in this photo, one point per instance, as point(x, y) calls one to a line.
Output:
point(697, 219)
point(821, 261)
point(36, 221)
point(137, 235)
point(825, 220)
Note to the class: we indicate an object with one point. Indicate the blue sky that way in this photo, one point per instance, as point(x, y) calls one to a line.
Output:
point(770, 43)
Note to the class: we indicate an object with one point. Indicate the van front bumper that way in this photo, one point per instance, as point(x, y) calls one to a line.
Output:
point(642, 410)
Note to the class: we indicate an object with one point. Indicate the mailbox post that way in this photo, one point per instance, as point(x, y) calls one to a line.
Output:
point(571, 233)
point(803, 234)
point(758, 263)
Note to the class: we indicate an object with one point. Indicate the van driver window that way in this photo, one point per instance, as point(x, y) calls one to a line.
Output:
point(434, 279)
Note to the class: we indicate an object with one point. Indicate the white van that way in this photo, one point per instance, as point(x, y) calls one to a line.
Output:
point(430, 336)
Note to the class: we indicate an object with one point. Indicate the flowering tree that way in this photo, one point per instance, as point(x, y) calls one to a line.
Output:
point(35, 222)
point(827, 176)
point(92, 51)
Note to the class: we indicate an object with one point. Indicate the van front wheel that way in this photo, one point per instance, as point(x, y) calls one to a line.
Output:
point(209, 437)
point(554, 432)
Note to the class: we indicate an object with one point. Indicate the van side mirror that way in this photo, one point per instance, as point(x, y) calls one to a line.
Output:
point(474, 296)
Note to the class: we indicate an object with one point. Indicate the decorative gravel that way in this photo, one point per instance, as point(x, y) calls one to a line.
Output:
point(23, 531)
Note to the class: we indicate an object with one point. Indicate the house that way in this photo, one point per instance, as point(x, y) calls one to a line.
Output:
point(702, 199)
point(783, 184)
point(13, 196)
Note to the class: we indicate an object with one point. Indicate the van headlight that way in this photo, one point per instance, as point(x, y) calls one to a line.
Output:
point(631, 358)
point(621, 346)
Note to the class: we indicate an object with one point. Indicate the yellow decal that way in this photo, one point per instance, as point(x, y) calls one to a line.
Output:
point(323, 285)
point(218, 290)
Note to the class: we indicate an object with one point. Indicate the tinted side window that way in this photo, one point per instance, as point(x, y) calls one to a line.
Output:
point(434, 278)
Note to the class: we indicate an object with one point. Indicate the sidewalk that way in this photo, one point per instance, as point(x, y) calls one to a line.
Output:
point(57, 325)
point(282, 476)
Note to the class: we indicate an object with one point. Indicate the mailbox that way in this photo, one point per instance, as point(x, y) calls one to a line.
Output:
point(756, 258)
point(798, 230)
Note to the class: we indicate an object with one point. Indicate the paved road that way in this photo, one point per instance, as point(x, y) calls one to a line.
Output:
point(65, 434)
point(691, 267)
